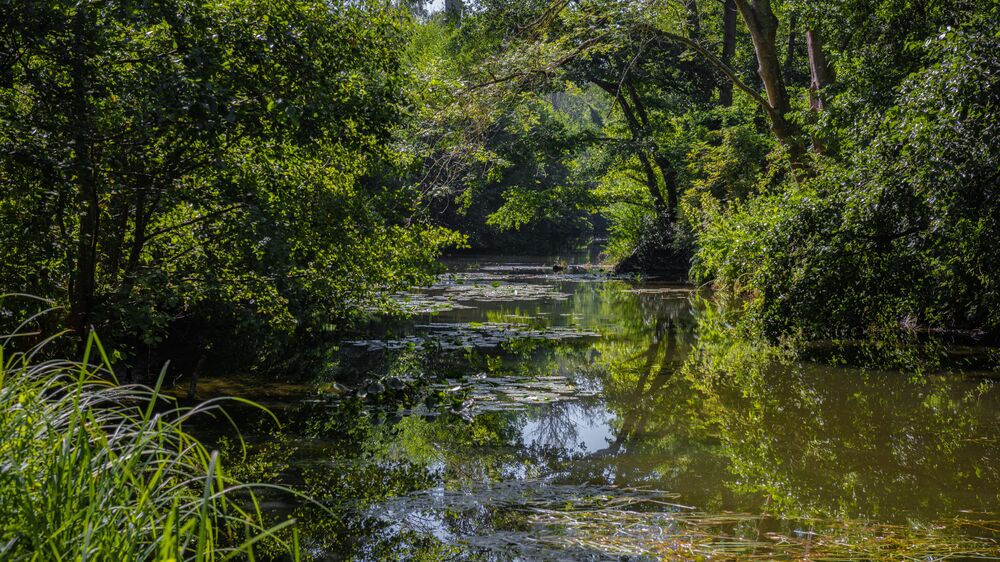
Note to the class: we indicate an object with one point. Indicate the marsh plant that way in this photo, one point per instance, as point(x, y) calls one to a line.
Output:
point(90, 470)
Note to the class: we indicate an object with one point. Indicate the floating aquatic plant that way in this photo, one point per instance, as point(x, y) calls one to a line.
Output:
point(451, 336)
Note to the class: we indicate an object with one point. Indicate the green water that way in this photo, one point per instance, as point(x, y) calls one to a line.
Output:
point(527, 414)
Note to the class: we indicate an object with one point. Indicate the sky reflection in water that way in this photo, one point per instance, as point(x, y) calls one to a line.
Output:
point(651, 436)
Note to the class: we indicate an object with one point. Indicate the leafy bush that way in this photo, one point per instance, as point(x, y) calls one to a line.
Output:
point(900, 233)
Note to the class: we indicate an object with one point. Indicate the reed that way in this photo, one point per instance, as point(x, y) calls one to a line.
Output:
point(93, 470)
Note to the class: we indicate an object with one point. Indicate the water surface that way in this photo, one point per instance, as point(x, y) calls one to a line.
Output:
point(523, 413)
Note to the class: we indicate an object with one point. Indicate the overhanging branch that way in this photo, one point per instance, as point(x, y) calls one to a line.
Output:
point(724, 68)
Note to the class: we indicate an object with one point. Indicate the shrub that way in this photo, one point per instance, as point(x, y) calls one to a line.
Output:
point(900, 232)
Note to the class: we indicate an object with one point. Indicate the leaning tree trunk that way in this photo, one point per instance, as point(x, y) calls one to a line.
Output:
point(662, 208)
point(763, 26)
point(666, 169)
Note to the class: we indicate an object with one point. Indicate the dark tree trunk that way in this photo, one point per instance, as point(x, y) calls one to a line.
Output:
point(193, 384)
point(728, 48)
point(82, 294)
point(647, 167)
point(638, 135)
point(651, 182)
point(790, 49)
point(693, 20)
point(138, 243)
point(666, 169)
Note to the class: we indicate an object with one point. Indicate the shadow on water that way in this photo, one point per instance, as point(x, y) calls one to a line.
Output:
point(539, 415)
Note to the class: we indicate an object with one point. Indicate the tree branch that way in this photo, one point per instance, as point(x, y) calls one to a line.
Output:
point(724, 68)
point(189, 222)
point(545, 70)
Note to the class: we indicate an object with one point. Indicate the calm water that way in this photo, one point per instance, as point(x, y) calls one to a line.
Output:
point(526, 414)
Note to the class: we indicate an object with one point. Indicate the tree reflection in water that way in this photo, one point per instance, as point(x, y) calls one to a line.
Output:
point(688, 440)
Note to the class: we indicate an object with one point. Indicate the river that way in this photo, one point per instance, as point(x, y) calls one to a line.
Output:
point(523, 413)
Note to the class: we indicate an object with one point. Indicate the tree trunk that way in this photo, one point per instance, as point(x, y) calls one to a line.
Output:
point(193, 384)
point(666, 169)
point(651, 182)
point(638, 135)
point(790, 49)
point(819, 69)
point(138, 243)
point(728, 48)
point(88, 204)
point(763, 26)
point(820, 76)
point(120, 211)
point(693, 21)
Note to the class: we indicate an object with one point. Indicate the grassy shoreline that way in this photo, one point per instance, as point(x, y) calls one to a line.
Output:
point(90, 470)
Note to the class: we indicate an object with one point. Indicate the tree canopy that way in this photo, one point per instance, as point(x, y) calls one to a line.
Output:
point(832, 165)
point(230, 164)
point(275, 170)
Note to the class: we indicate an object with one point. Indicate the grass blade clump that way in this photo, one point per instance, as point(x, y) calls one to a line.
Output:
point(90, 470)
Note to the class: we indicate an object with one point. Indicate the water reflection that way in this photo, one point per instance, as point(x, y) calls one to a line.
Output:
point(659, 436)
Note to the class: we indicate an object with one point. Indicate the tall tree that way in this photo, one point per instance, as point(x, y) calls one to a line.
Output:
point(820, 72)
point(729, 20)
point(763, 25)
point(791, 46)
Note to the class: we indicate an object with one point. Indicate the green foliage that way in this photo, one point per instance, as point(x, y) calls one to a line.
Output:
point(901, 234)
point(268, 172)
point(531, 127)
point(92, 470)
point(727, 163)
point(225, 163)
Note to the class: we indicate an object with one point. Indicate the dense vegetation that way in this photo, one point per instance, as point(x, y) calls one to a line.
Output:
point(269, 172)
point(833, 167)
point(234, 185)
point(95, 471)
point(227, 169)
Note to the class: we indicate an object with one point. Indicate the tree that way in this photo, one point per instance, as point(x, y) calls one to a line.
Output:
point(729, 16)
point(227, 161)
point(763, 25)
point(896, 234)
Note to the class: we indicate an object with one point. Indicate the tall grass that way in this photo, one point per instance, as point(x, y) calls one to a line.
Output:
point(90, 470)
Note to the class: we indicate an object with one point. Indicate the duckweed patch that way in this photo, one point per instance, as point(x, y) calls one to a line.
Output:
point(454, 335)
